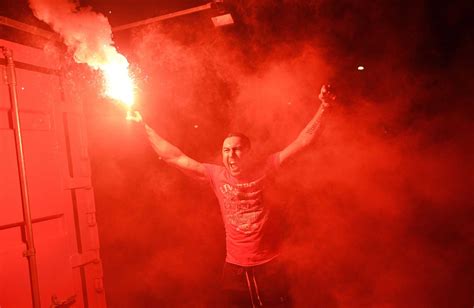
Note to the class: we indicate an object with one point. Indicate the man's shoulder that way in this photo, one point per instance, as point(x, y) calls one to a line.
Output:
point(211, 165)
point(215, 173)
point(213, 168)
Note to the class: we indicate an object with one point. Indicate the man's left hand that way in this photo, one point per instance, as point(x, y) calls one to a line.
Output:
point(326, 96)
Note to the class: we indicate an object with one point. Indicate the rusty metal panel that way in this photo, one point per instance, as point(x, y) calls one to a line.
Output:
point(43, 164)
point(4, 118)
point(10, 198)
point(37, 91)
point(43, 183)
point(55, 272)
point(87, 220)
point(45, 58)
point(79, 155)
point(95, 284)
point(14, 276)
point(4, 95)
point(60, 193)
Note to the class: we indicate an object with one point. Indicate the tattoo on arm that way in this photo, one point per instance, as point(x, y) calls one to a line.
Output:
point(313, 127)
point(306, 136)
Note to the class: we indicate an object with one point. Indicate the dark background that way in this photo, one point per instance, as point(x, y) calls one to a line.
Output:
point(378, 212)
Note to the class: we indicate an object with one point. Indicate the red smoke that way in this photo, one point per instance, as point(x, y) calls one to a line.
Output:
point(84, 31)
point(88, 36)
point(378, 210)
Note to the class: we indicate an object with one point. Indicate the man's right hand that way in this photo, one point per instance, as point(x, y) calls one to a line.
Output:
point(134, 116)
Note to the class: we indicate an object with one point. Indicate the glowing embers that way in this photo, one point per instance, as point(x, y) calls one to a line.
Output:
point(89, 36)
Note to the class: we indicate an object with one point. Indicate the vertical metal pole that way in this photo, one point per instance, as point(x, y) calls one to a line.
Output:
point(30, 252)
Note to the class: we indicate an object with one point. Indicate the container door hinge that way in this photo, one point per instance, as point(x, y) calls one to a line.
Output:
point(78, 182)
point(99, 285)
point(4, 75)
point(57, 303)
point(29, 252)
point(91, 256)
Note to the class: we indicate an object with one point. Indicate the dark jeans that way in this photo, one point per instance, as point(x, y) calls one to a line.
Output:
point(263, 285)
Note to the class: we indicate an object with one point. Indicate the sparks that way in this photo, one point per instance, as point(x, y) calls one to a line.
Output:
point(89, 35)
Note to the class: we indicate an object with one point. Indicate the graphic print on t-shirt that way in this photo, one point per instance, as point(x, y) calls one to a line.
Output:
point(242, 205)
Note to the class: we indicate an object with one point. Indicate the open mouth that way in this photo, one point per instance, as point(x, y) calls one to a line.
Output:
point(234, 166)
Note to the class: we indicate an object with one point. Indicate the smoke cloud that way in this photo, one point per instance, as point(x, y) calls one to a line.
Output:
point(88, 35)
point(377, 211)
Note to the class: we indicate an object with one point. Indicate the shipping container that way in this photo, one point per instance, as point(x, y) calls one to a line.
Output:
point(49, 245)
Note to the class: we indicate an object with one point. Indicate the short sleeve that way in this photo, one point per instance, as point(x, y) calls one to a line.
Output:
point(211, 171)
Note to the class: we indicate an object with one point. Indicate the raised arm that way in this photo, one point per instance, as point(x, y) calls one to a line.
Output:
point(308, 134)
point(170, 153)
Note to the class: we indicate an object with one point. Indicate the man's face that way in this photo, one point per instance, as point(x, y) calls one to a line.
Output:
point(233, 154)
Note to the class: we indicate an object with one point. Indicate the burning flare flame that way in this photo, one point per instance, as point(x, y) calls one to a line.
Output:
point(89, 36)
point(118, 83)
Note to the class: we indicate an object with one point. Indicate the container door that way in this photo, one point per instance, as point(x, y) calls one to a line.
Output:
point(60, 193)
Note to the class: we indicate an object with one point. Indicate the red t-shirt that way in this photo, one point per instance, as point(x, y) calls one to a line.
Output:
point(249, 239)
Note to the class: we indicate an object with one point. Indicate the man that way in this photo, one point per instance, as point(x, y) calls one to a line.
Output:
point(252, 274)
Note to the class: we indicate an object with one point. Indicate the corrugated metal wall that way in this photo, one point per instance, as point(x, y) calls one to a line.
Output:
point(59, 189)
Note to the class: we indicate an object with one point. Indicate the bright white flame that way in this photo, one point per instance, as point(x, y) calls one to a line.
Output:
point(360, 68)
point(118, 83)
point(88, 34)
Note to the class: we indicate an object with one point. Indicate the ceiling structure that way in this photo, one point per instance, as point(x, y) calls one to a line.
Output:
point(351, 25)
point(117, 12)
point(127, 11)
point(352, 33)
